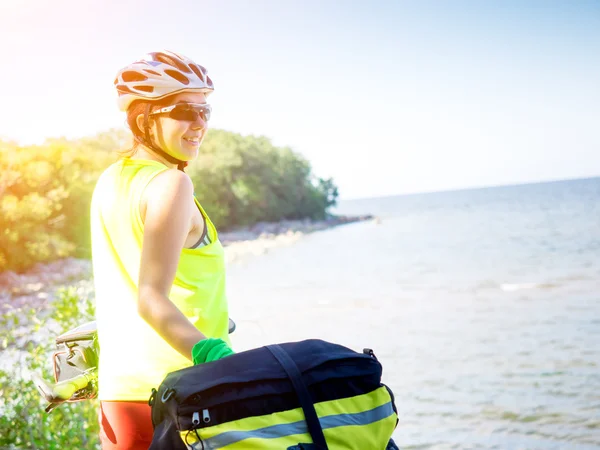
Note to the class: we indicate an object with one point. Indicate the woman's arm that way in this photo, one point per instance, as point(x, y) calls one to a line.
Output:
point(167, 213)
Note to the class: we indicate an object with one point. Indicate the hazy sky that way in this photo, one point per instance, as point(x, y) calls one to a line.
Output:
point(386, 97)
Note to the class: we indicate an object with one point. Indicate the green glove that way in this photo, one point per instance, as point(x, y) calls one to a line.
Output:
point(210, 349)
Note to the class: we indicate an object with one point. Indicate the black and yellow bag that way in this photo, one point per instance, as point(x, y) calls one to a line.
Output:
point(302, 395)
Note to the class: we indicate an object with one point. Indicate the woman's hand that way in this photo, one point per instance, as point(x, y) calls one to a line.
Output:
point(209, 350)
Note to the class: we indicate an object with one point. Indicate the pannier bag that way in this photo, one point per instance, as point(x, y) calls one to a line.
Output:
point(77, 352)
point(308, 395)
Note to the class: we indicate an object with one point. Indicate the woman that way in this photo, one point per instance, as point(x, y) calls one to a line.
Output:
point(159, 270)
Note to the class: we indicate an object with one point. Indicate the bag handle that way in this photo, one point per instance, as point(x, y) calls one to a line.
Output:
point(310, 415)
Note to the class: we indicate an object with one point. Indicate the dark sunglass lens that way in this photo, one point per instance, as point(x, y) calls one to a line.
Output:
point(206, 114)
point(185, 112)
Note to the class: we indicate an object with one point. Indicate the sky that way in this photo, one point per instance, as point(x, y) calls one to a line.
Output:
point(386, 97)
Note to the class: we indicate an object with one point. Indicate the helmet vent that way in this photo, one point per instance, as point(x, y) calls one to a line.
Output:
point(152, 72)
point(124, 89)
point(178, 76)
point(167, 59)
point(144, 88)
point(133, 76)
point(209, 82)
point(197, 71)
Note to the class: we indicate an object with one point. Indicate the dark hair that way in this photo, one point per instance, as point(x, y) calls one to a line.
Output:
point(136, 108)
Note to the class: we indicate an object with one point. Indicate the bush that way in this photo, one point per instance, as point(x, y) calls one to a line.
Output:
point(242, 180)
point(45, 194)
point(23, 421)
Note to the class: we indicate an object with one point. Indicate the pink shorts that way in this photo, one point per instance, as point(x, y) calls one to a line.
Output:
point(125, 425)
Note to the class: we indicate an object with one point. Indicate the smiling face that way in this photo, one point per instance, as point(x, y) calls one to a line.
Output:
point(179, 138)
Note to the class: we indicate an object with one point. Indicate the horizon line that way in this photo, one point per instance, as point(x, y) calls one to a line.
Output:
point(475, 188)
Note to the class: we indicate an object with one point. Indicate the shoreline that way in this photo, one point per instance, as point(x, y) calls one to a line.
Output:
point(36, 288)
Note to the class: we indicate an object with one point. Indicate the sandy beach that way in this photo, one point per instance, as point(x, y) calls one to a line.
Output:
point(36, 287)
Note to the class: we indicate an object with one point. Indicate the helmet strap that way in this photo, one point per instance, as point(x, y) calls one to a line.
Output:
point(148, 142)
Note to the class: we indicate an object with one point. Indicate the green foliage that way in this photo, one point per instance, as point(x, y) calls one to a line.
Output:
point(242, 180)
point(45, 194)
point(31, 199)
point(23, 421)
point(46, 190)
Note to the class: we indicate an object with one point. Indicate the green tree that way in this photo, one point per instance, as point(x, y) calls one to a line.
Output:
point(32, 220)
point(46, 190)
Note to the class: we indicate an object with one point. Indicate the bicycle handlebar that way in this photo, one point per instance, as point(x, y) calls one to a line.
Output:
point(62, 391)
point(57, 393)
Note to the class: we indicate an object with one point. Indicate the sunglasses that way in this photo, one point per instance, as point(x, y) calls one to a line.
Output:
point(186, 111)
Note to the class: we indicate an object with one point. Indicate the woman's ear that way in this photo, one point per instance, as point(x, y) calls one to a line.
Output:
point(139, 121)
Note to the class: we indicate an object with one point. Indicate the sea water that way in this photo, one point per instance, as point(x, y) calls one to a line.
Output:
point(482, 305)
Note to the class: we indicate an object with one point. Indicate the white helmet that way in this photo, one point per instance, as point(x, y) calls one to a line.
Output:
point(159, 74)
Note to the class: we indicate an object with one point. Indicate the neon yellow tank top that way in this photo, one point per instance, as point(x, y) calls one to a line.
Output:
point(133, 357)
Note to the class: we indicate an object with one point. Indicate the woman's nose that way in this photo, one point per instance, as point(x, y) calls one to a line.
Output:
point(199, 123)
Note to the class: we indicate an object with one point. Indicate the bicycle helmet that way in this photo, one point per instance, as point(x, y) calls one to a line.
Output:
point(156, 76)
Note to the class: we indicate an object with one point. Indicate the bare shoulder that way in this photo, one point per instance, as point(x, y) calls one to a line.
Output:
point(169, 189)
point(171, 181)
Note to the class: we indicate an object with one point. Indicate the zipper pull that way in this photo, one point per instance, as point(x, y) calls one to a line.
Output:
point(196, 419)
point(205, 416)
point(370, 352)
point(152, 397)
